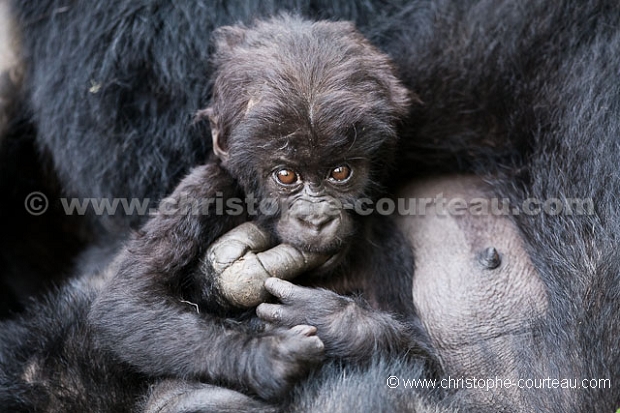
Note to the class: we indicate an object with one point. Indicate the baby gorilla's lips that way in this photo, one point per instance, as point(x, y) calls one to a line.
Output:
point(330, 252)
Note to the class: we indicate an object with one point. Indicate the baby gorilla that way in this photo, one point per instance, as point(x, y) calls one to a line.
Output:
point(303, 114)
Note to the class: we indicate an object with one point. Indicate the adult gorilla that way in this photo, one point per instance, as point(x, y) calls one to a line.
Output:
point(523, 95)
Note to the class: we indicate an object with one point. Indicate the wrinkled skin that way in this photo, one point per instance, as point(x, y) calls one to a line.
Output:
point(242, 264)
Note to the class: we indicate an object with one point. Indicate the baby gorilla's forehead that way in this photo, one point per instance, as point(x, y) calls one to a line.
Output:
point(329, 126)
point(295, 138)
point(331, 103)
point(303, 149)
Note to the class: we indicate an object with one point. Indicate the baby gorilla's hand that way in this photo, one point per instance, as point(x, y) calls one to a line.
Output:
point(281, 357)
point(340, 321)
point(242, 263)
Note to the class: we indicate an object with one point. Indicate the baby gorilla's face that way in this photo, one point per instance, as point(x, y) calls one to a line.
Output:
point(316, 172)
point(316, 203)
point(303, 114)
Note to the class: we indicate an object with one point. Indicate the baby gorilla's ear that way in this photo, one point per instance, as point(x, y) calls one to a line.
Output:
point(219, 144)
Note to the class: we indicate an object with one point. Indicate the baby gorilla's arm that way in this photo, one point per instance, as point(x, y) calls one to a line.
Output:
point(142, 317)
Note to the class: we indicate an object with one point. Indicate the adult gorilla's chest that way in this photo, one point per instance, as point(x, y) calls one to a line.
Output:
point(481, 306)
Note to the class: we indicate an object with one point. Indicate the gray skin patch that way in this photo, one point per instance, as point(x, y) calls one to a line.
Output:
point(8, 38)
point(10, 68)
point(241, 273)
point(475, 288)
point(31, 372)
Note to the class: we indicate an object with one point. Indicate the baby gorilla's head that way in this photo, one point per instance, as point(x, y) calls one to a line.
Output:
point(304, 113)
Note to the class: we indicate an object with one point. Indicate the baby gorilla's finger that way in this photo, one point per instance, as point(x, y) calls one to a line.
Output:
point(310, 344)
point(283, 315)
point(286, 262)
point(304, 330)
point(242, 283)
point(287, 292)
point(235, 243)
point(249, 234)
point(271, 313)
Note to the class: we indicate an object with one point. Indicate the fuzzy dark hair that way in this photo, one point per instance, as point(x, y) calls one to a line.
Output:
point(288, 74)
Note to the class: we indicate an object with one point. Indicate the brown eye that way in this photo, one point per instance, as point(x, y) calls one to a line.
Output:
point(286, 176)
point(340, 173)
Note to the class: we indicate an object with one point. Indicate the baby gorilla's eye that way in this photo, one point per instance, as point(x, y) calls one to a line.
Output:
point(286, 176)
point(340, 173)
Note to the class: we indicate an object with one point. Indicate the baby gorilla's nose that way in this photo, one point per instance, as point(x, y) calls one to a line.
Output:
point(316, 225)
point(315, 216)
point(317, 230)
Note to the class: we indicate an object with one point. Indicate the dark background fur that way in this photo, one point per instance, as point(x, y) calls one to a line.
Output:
point(523, 92)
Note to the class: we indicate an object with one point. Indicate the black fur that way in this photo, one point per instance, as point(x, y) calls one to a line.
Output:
point(49, 362)
point(287, 93)
point(128, 72)
point(31, 258)
point(522, 93)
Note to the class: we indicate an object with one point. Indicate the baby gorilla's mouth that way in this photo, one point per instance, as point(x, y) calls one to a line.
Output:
point(316, 246)
point(326, 237)
point(335, 258)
